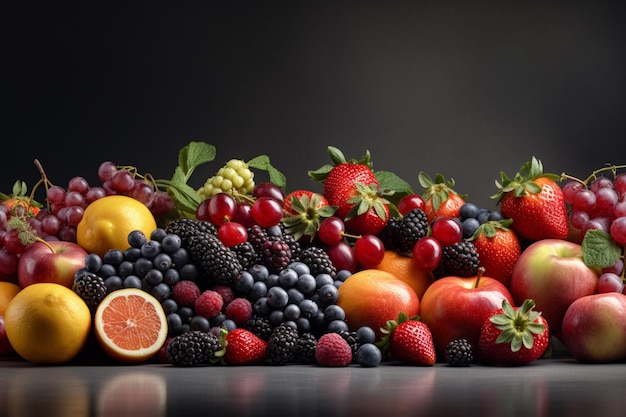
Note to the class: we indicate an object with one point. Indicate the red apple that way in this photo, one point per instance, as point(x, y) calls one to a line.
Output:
point(553, 274)
point(456, 307)
point(55, 261)
point(594, 328)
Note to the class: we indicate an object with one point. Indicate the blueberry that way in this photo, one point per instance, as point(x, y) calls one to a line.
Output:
point(300, 267)
point(368, 355)
point(93, 262)
point(495, 215)
point(171, 243)
point(113, 257)
point(287, 277)
point(334, 312)
point(366, 334)
point(328, 294)
point(158, 234)
point(244, 282)
point(151, 249)
point(306, 284)
point(189, 272)
point(336, 326)
point(308, 308)
point(469, 210)
point(469, 227)
point(136, 238)
point(277, 297)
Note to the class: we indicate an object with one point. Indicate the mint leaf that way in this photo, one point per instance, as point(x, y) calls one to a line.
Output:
point(599, 249)
point(388, 181)
point(194, 155)
point(263, 163)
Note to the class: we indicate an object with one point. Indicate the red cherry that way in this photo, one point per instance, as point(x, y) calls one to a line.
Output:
point(410, 202)
point(232, 233)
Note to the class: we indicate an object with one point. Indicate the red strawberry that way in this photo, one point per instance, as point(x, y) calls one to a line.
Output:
point(333, 350)
point(303, 211)
point(440, 198)
point(243, 347)
point(408, 340)
point(535, 202)
point(513, 335)
point(498, 249)
point(353, 189)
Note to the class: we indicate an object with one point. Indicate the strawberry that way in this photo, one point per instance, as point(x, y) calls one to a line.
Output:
point(408, 340)
point(440, 198)
point(303, 211)
point(498, 249)
point(513, 335)
point(353, 189)
point(243, 347)
point(534, 201)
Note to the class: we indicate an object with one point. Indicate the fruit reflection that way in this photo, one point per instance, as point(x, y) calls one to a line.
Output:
point(133, 394)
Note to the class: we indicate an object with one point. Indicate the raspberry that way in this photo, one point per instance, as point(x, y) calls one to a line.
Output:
point(208, 304)
point(333, 350)
point(185, 293)
point(239, 310)
point(226, 291)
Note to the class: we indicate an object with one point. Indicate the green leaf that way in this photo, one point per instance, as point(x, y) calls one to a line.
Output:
point(194, 155)
point(336, 155)
point(262, 162)
point(599, 249)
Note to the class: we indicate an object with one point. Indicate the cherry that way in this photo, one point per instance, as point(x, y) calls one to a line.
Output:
point(447, 230)
point(410, 202)
point(330, 230)
point(342, 256)
point(369, 250)
point(267, 211)
point(427, 253)
point(268, 189)
point(232, 233)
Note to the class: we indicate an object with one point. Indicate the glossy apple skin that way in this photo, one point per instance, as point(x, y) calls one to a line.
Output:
point(553, 274)
point(455, 307)
point(39, 264)
point(594, 328)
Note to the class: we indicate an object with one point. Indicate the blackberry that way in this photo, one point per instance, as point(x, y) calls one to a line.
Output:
point(460, 259)
point(459, 353)
point(257, 235)
point(294, 245)
point(90, 287)
point(275, 254)
point(246, 254)
point(411, 228)
point(259, 326)
point(401, 233)
point(389, 234)
point(194, 348)
point(305, 349)
point(352, 339)
point(218, 262)
point(281, 345)
point(318, 261)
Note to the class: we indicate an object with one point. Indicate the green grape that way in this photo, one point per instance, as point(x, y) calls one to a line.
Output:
point(235, 176)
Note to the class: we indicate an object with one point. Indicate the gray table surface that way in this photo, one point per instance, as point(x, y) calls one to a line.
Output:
point(557, 386)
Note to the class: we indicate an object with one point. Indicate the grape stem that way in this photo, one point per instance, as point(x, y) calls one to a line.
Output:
point(594, 174)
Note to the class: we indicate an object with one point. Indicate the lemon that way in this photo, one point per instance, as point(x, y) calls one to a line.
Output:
point(47, 323)
point(108, 221)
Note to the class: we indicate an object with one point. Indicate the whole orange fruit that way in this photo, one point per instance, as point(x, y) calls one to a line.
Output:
point(8, 290)
point(47, 323)
point(403, 268)
point(108, 221)
point(371, 297)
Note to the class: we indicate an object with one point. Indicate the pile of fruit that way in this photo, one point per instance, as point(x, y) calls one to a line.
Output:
point(366, 271)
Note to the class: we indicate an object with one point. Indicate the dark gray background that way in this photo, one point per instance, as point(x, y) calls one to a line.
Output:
point(466, 89)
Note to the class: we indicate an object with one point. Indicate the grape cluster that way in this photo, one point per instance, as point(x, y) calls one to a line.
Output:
point(599, 203)
point(234, 177)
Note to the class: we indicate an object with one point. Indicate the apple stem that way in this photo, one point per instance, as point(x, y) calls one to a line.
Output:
point(38, 239)
point(479, 274)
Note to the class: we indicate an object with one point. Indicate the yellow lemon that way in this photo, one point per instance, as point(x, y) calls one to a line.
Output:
point(109, 220)
point(47, 323)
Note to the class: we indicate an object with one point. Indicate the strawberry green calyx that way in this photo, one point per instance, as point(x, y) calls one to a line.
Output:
point(337, 157)
point(438, 190)
point(518, 325)
point(384, 342)
point(308, 216)
point(490, 228)
point(523, 182)
point(366, 198)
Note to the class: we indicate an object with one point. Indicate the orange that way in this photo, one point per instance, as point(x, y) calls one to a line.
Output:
point(371, 297)
point(403, 268)
point(130, 325)
point(8, 290)
point(108, 221)
point(47, 323)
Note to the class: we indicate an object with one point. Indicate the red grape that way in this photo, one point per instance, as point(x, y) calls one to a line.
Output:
point(427, 253)
point(369, 250)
